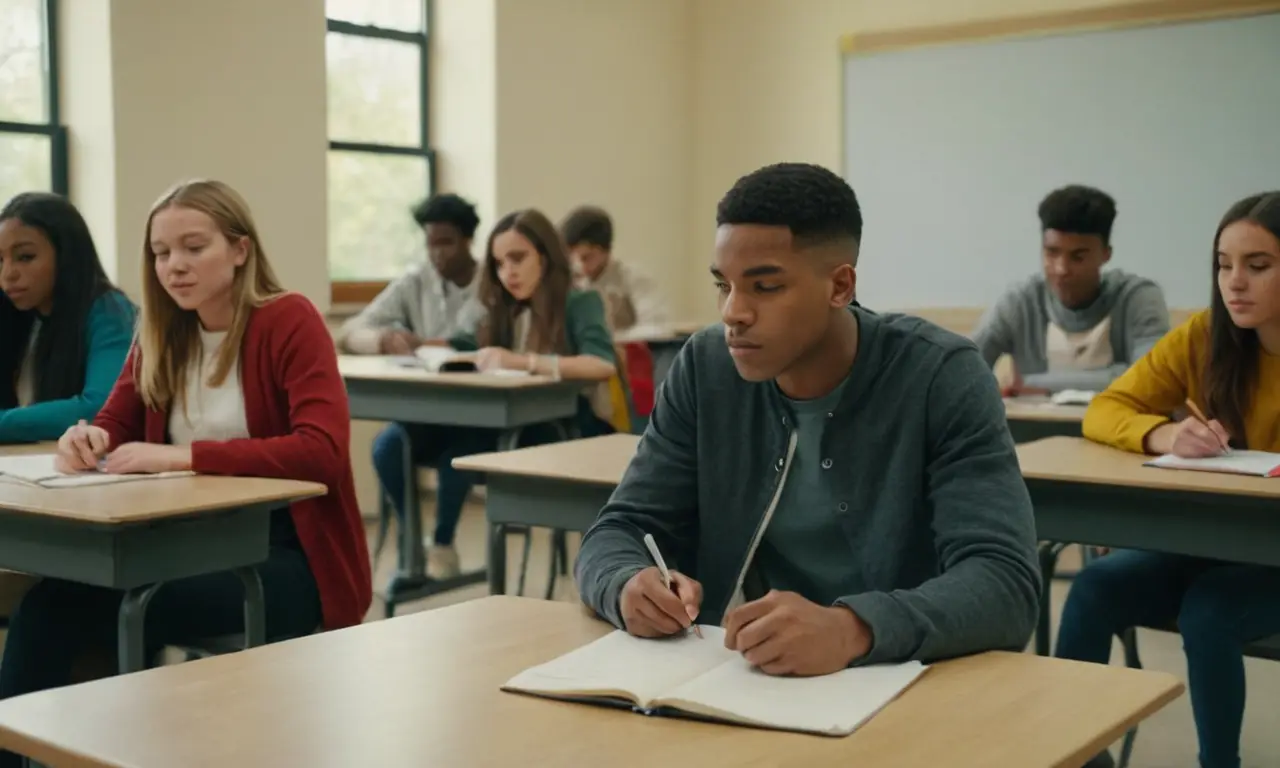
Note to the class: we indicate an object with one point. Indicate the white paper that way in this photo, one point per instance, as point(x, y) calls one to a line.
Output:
point(1260, 463)
point(39, 469)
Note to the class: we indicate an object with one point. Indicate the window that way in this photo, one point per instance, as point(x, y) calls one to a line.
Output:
point(33, 146)
point(380, 161)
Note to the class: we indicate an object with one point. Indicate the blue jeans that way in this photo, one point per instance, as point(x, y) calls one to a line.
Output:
point(1217, 607)
point(436, 446)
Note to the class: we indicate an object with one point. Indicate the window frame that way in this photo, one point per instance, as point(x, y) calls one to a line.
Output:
point(363, 291)
point(52, 128)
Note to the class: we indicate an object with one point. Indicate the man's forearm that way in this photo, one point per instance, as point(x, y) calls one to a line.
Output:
point(609, 556)
point(981, 604)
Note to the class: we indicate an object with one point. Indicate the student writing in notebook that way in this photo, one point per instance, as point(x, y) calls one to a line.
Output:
point(231, 375)
point(833, 485)
point(534, 321)
point(64, 328)
point(630, 296)
point(429, 304)
point(1073, 326)
point(1226, 360)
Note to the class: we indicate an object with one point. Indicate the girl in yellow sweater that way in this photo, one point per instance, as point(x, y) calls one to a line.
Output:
point(1227, 361)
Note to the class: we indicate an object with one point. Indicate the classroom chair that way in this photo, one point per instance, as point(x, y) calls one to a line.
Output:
point(1267, 648)
point(637, 365)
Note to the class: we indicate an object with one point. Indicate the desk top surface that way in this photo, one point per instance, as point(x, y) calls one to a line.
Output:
point(1077, 460)
point(660, 332)
point(423, 689)
point(1041, 409)
point(145, 500)
point(591, 461)
point(382, 368)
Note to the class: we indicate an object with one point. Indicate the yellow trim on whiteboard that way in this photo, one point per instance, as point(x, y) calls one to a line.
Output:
point(1131, 14)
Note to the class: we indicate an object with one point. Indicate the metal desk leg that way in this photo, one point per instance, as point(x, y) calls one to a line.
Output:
point(498, 559)
point(131, 626)
point(411, 566)
point(1048, 553)
point(255, 607)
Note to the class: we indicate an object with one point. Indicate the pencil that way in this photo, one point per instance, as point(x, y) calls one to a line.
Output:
point(1199, 415)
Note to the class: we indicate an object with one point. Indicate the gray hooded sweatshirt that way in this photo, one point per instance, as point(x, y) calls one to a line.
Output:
point(1056, 347)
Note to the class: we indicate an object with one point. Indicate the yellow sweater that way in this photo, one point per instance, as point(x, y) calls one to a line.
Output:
point(1158, 384)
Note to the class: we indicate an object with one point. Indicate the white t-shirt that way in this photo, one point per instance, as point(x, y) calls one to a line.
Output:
point(209, 413)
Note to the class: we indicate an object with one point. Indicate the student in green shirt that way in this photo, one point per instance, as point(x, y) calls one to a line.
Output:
point(534, 321)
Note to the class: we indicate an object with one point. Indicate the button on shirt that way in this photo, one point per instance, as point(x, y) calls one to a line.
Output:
point(804, 549)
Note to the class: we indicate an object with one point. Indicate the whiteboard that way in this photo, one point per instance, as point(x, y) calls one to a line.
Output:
point(951, 149)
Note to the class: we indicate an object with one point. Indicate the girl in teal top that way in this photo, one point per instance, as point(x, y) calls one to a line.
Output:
point(529, 319)
point(66, 328)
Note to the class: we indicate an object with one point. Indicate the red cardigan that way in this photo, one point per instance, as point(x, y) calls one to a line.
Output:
point(299, 426)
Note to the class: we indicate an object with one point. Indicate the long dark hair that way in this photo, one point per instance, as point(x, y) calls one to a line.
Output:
point(79, 281)
point(547, 329)
point(1231, 374)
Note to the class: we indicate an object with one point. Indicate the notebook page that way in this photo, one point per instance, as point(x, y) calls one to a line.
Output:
point(39, 469)
point(619, 662)
point(834, 704)
point(1261, 463)
point(32, 468)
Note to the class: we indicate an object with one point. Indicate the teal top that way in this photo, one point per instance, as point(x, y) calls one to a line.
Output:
point(585, 329)
point(109, 328)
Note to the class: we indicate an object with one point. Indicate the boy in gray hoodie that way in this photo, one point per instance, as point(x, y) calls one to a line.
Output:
point(833, 485)
point(1073, 326)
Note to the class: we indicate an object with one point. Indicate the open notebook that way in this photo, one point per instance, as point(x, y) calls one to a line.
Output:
point(688, 676)
point(447, 360)
point(38, 470)
point(1259, 463)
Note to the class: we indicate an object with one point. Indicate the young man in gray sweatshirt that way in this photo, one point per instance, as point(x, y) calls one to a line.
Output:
point(1073, 326)
point(834, 486)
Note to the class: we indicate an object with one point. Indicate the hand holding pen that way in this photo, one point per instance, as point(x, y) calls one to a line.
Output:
point(1200, 436)
point(657, 602)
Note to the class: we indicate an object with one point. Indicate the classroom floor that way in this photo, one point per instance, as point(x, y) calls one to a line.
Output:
point(1166, 740)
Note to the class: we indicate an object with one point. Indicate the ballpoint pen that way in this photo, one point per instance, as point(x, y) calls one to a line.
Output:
point(662, 568)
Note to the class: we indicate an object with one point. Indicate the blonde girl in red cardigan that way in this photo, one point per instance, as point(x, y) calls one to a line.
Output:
point(230, 375)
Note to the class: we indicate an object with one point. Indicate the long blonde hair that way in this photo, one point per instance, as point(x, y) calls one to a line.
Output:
point(169, 336)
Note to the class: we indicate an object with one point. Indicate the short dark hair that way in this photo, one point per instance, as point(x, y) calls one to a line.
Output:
point(815, 204)
point(587, 224)
point(448, 209)
point(1079, 210)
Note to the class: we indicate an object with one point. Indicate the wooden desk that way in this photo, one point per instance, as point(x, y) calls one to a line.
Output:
point(425, 692)
point(1087, 493)
point(135, 536)
point(662, 332)
point(1035, 418)
point(381, 389)
point(562, 485)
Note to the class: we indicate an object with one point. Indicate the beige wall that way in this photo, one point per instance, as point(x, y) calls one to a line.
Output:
point(594, 107)
point(160, 91)
point(464, 103)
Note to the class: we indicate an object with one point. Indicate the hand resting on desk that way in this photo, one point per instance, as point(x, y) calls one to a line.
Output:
point(782, 633)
